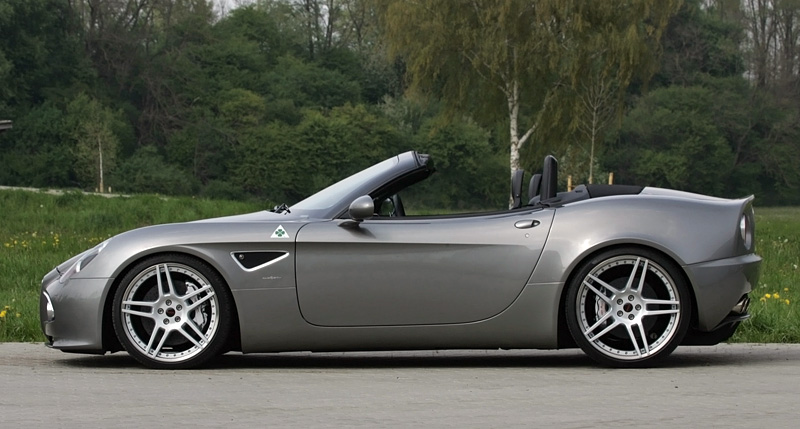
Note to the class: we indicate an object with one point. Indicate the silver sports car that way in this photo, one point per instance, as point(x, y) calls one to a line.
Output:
point(626, 273)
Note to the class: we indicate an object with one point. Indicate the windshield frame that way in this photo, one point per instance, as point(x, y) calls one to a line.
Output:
point(328, 197)
point(333, 201)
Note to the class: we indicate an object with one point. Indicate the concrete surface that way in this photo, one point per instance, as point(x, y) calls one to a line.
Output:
point(741, 385)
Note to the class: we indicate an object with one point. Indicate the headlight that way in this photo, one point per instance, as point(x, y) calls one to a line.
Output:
point(84, 260)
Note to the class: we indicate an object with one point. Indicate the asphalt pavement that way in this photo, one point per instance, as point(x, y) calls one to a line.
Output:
point(743, 385)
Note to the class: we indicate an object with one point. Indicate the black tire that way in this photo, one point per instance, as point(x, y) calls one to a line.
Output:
point(622, 319)
point(172, 311)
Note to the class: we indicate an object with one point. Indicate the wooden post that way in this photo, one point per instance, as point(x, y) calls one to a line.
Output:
point(611, 178)
point(569, 183)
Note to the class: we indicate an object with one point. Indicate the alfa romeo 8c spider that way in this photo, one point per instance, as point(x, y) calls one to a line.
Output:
point(626, 273)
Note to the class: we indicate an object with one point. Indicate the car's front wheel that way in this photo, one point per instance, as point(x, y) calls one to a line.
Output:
point(172, 311)
point(628, 307)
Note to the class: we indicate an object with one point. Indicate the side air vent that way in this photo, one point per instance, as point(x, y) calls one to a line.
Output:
point(254, 260)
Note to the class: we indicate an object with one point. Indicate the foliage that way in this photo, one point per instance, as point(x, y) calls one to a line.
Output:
point(33, 154)
point(470, 175)
point(95, 145)
point(147, 172)
point(671, 140)
point(696, 44)
point(521, 59)
point(716, 138)
point(277, 98)
point(281, 163)
point(40, 54)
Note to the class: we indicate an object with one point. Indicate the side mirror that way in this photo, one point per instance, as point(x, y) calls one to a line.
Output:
point(362, 208)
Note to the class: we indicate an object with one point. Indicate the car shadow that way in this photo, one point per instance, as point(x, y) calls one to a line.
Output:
point(695, 357)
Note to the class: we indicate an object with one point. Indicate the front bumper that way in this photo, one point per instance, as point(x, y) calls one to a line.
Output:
point(719, 286)
point(71, 313)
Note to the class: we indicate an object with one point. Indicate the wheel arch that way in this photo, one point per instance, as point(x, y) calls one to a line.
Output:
point(111, 342)
point(565, 339)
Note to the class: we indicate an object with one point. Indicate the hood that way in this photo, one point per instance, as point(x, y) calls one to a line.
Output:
point(262, 216)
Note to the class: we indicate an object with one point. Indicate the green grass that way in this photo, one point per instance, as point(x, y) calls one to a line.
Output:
point(775, 318)
point(38, 231)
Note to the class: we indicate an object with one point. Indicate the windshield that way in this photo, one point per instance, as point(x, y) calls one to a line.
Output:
point(333, 194)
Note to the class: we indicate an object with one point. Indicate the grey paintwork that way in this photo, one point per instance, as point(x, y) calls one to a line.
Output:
point(392, 271)
point(477, 281)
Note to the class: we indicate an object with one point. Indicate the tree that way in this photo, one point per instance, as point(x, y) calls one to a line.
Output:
point(95, 143)
point(671, 139)
point(522, 57)
point(598, 103)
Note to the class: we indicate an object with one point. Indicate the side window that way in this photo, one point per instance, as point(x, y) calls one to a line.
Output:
point(412, 195)
point(386, 207)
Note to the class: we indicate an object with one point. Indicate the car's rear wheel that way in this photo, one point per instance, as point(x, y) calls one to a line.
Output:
point(172, 311)
point(628, 307)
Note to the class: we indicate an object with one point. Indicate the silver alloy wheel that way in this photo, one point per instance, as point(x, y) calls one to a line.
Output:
point(628, 308)
point(170, 312)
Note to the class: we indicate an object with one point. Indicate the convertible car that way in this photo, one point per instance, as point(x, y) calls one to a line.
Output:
point(626, 273)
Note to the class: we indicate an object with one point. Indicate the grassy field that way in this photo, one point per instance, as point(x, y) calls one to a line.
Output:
point(775, 318)
point(38, 231)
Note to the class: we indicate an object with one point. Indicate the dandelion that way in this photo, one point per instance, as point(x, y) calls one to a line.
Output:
point(19, 315)
point(3, 314)
point(786, 289)
point(762, 299)
point(776, 296)
point(786, 301)
point(767, 296)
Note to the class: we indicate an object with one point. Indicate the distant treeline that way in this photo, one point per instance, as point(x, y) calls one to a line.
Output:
point(276, 99)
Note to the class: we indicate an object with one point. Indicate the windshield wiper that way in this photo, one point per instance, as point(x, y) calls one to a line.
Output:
point(283, 208)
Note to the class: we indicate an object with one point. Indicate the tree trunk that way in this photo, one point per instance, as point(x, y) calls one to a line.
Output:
point(100, 152)
point(512, 94)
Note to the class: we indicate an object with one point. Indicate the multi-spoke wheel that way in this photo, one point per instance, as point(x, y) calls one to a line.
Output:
point(172, 311)
point(628, 307)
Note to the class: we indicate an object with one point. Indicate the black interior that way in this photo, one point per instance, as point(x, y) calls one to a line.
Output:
point(534, 186)
point(543, 188)
point(516, 188)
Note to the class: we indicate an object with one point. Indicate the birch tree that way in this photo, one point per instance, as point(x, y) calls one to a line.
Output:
point(95, 144)
point(522, 59)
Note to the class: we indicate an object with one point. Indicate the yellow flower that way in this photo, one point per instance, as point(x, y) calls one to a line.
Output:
point(762, 299)
point(786, 301)
point(19, 315)
point(2, 314)
point(767, 296)
point(786, 289)
point(776, 296)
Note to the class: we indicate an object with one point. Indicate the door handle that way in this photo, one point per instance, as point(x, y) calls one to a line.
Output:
point(525, 224)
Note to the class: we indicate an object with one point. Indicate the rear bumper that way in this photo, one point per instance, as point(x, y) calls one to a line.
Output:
point(719, 286)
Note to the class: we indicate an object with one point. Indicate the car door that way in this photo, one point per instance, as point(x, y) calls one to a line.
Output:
point(407, 271)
